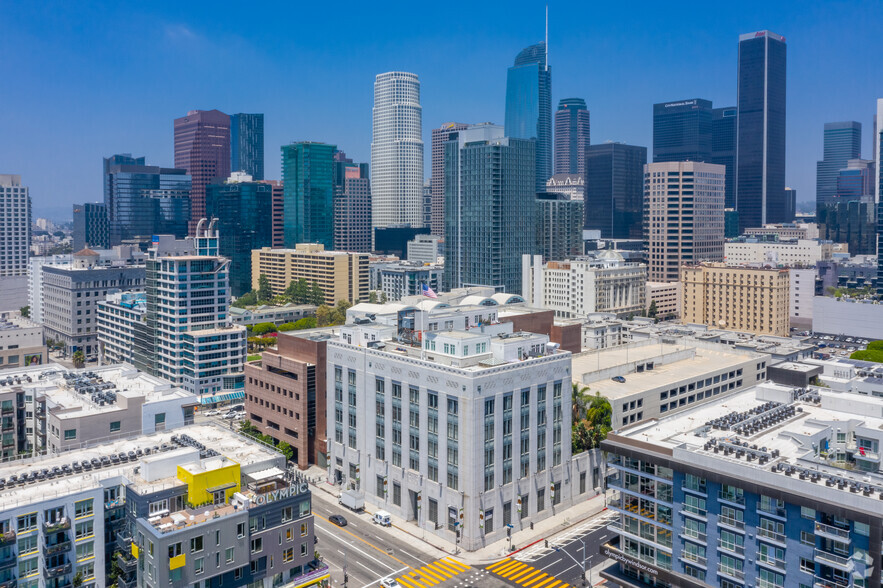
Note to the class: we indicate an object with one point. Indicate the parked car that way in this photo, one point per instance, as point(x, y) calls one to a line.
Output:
point(389, 583)
point(619, 379)
point(230, 415)
point(337, 520)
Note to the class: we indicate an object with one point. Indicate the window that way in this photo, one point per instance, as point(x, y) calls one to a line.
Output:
point(807, 513)
point(114, 426)
point(199, 565)
point(303, 549)
point(303, 529)
point(288, 555)
point(84, 529)
point(287, 514)
point(240, 530)
point(83, 508)
point(257, 545)
point(228, 555)
point(807, 565)
point(85, 550)
point(158, 507)
point(159, 418)
point(27, 567)
point(807, 538)
point(27, 522)
point(196, 544)
point(70, 434)
point(27, 545)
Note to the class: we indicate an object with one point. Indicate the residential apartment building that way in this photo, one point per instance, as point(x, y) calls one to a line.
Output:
point(15, 241)
point(683, 216)
point(559, 225)
point(750, 299)
point(117, 316)
point(285, 395)
point(352, 205)
point(603, 282)
point(761, 250)
point(774, 487)
point(21, 341)
point(404, 278)
point(341, 275)
point(440, 136)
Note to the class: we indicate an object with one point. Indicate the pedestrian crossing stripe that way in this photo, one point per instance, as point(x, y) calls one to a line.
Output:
point(433, 573)
point(524, 575)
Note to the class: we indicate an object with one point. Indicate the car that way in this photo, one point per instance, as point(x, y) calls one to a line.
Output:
point(337, 520)
point(389, 583)
point(619, 379)
point(211, 413)
point(230, 415)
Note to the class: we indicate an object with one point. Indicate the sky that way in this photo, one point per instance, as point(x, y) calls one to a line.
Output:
point(85, 80)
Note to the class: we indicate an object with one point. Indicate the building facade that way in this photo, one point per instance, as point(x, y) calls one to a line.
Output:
point(723, 148)
point(352, 205)
point(571, 184)
point(405, 278)
point(615, 190)
point(241, 207)
point(424, 249)
point(340, 275)
point(682, 130)
point(749, 299)
point(797, 252)
point(202, 149)
point(308, 184)
point(396, 151)
point(760, 136)
point(667, 296)
point(529, 106)
point(440, 136)
point(91, 226)
point(559, 225)
point(15, 241)
point(489, 202)
point(117, 316)
point(247, 144)
point(21, 341)
point(683, 216)
point(572, 136)
point(842, 142)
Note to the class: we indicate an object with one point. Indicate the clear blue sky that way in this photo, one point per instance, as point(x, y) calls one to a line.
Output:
point(84, 80)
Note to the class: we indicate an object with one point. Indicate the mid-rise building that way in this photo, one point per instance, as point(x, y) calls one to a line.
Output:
point(842, 142)
point(341, 275)
point(285, 395)
point(396, 151)
point(577, 287)
point(21, 341)
point(760, 137)
point(801, 295)
point(308, 180)
point(71, 294)
point(572, 136)
point(352, 205)
point(752, 299)
point(682, 130)
point(559, 221)
point(117, 316)
point(35, 282)
point(773, 487)
point(489, 208)
point(572, 185)
point(615, 190)
point(787, 231)
point(723, 149)
point(667, 296)
point(424, 249)
point(404, 278)
point(202, 149)
point(529, 107)
point(91, 228)
point(279, 315)
point(773, 250)
point(187, 336)
point(15, 241)
point(241, 208)
point(440, 136)
point(247, 144)
point(144, 200)
point(683, 216)
point(854, 317)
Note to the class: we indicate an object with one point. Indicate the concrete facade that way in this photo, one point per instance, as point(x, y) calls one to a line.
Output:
point(856, 318)
point(21, 342)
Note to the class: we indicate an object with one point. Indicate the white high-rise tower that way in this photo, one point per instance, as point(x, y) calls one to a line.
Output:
point(15, 242)
point(397, 151)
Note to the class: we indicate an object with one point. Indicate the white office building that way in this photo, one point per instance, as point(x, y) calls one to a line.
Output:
point(15, 241)
point(35, 282)
point(796, 252)
point(397, 151)
point(117, 317)
point(424, 249)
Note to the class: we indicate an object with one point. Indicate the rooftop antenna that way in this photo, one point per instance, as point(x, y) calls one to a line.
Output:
point(547, 37)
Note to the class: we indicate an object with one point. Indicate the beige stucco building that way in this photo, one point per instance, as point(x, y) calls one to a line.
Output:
point(341, 275)
point(749, 299)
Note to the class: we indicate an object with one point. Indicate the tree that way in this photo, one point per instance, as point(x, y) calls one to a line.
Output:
point(262, 329)
point(372, 297)
point(286, 450)
point(308, 322)
point(78, 358)
point(598, 416)
point(247, 299)
point(323, 316)
point(382, 297)
point(316, 296)
point(25, 311)
point(266, 341)
point(247, 428)
point(581, 439)
point(284, 327)
point(338, 315)
point(651, 312)
point(298, 291)
point(580, 406)
point(265, 291)
point(78, 580)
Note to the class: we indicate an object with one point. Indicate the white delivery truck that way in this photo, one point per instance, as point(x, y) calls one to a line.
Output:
point(353, 500)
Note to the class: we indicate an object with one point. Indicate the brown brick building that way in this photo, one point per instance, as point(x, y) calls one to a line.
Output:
point(285, 395)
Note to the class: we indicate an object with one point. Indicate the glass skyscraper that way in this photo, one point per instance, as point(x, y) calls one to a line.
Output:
point(242, 207)
point(682, 131)
point(760, 138)
point(490, 200)
point(723, 148)
point(202, 148)
point(308, 193)
point(90, 226)
point(572, 136)
point(878, 152)
point(615, 190)
point(440, 136)
point(247, 144)
point(144, 200)
point(843, 141)
point(529, 106)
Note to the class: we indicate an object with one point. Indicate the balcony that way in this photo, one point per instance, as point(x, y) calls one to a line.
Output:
point(11, 583)
point(57, 571)
point(733, 573)
point(821, 582)
point(127, 563)
point(841, 562)
point(699, 489)
point(731, 498)
point(776, 511)
point(63, 524)
point(693, 536)
point(57, 548)
point(771, 562)
point(694, 511)
point(771, 536)
point(731, 523)
point(692, 558)
point(122, 582)
point(7, 538)
point(115, 503)
point(830, 532)
point(731, 548)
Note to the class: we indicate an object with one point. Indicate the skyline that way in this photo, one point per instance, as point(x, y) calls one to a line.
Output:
point(76, 91)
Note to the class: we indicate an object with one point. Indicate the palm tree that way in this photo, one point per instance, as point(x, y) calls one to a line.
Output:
point(579, 401)
point(78, 358)
point(598, 415)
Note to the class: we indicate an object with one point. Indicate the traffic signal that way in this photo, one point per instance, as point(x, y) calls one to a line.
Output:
point(508, 531)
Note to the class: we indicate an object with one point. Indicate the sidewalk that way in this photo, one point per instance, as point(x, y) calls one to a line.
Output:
point(437, 547)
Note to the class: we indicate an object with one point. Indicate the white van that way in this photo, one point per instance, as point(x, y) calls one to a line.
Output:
point(382, 518)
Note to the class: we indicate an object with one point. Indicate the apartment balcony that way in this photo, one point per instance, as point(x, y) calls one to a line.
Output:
point(840, 562)
point(115, 503)
point(693, 559)
point(7, 426)
point(58, 571)
point(694, 511)
point(821, 582)
point(775, 511)
point(127, 563)
point(122, 582)
point(771, 562)
point(694, 488)
point(56, 548)
point(771, 536)
point(7, 538)
point(835, 533)
point(731, 523)
point(732, 498)
point(738, 550)
point(732, 574)
point(63, 524)
point(7, 410)
point(695, 536)
point(8, 562)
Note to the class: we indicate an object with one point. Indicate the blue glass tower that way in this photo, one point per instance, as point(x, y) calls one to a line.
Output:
point(615, 190)
point(308, 193)
point(247, 144)
point(529, 106)
point(723, 149)
point(843, 141)
point(682, 130)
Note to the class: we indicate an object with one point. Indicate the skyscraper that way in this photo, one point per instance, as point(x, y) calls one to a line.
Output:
point(615, 190)
point(723, 148)
point(683, 216)
point(241, 207)
point(572, 136)
point(247, 144)
point(489, 208)
point(396, 151)
point(682, 130)
point(202, 148)
point(308, 186)
point(760, 137)
point(878, 145)
point(143, 200)
point(440, 136)
point(529, 106)
point(842, 142)
point(15, 242)
point(90, 226)
point(352, 205)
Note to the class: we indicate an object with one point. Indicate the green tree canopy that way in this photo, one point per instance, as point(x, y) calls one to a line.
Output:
point(247, 299)
point(317, 296)
point(263, 328)
point(651, 312)
point(79, 358)
point(298, 291)
point(338, 315)
point(25, 311)
point(285, 327)
point(265, 291)
point(286, 450)
point(323, 316)
point(868, 355)
point(308, 322)
point(372, 297)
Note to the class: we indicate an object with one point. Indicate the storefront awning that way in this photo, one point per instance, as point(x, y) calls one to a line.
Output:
point(226, 397)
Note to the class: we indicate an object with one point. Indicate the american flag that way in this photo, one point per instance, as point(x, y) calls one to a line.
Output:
point(428, 292)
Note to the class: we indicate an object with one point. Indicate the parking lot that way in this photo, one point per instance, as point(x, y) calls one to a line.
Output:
point(233, 414)
point(835, 345)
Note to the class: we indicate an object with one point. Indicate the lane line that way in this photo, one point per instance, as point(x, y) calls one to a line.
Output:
point(454, 563)
point(378, 579)
point(383, 551)
point(552, 564)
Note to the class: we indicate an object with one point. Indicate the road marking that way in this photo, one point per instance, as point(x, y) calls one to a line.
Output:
point(383, 551)
point(455, 564)
point(542, 576)
point(409, 555)
point(512, 570)
point(546, 581)
point(378, 579)
point(442, 564)
point(523, 575)
point(428, 572)
point(524, 581)
point(407, 582)
point(499, 564)
point(552, 564)
point(512, 564)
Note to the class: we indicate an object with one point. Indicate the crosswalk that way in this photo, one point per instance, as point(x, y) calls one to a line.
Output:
point(524, 575)
point(573, 534)
point(433, 573)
